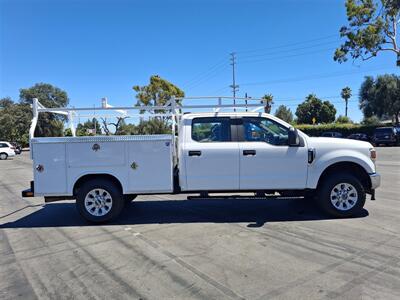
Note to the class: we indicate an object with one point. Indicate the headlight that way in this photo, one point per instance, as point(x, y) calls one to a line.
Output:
point(372, 154)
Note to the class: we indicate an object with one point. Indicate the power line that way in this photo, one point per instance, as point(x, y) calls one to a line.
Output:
point(268, 53)
point(206, 72)
point(315, 76)
point(287, 56)
point(289, 44)
point(207, 77)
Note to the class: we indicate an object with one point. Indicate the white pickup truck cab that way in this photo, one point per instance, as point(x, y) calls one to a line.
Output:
point(211, 152)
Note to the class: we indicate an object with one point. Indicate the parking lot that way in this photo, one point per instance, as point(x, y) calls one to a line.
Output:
point(168, 247)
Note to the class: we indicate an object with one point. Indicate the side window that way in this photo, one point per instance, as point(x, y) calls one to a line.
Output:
point(265, 130)
point(2, 145)
point(206, 130)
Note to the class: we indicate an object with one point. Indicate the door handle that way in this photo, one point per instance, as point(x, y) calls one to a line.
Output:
point(249, 152)
point(194, 153)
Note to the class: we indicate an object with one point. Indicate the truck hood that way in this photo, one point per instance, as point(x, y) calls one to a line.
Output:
point(335, 143)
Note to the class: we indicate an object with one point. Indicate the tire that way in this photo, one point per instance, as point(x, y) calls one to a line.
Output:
point(129, 198)
point(3, 156)
point(108, 206)
point(341, 195)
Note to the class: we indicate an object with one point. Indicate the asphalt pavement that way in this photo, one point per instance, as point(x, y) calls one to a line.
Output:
point(166, 247)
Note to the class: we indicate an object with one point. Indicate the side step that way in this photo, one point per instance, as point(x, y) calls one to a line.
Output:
point(255, 196)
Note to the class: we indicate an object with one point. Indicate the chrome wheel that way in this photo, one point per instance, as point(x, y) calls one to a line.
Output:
point(344, 196)
point(98, 202)
point(3, 156)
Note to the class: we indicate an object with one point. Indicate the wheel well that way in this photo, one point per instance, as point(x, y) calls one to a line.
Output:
point(349, 167)
point(88, 177)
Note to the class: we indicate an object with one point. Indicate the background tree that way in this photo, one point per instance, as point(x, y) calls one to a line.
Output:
point(346, 95)
point(117, 125)
point(15, 119)
point(312, 107)
point(6, 102)
point(268, 101)
point(371, 121)
point(89, 125)
point(372, 29)
point(50, 96)
point(343, 120)
point(284, 113)
point(157, 92)
point(381, 96)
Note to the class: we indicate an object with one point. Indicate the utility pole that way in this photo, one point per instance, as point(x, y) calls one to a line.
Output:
point(234, 87)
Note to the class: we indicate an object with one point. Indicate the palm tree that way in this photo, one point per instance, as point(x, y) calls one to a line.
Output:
point(346, 94)
point(267, 101)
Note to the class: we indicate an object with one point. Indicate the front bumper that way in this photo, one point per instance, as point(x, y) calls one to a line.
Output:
point(375, 180)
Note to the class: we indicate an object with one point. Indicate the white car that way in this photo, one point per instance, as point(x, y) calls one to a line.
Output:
point(6, 150)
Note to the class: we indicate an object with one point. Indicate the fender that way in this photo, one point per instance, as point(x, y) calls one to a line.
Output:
point(71, 184)
point(321, 163)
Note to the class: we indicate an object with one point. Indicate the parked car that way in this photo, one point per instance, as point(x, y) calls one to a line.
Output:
point(332, 134)
point(214, 152)
point(6, 150)
point(18, 148)
point(358, 136)
point(385, 136)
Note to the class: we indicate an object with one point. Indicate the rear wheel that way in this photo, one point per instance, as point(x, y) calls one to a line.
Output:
point(341, 195)
point(99, 201)
point(3, 156)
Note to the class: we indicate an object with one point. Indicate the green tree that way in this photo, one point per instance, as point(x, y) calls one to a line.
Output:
point(343, 120)
point(346, 95)
point(157, 92)
point(268, 101)
point(6, 102)
point(381, 96)
point(312, 107)
point(372, 28)
point(154, 126)
point(284, 113)
point(15, 120)
point(50, 96)
point(371, 121)
point(89, 125)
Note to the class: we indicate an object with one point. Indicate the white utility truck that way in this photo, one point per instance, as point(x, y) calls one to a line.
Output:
point(207, 152)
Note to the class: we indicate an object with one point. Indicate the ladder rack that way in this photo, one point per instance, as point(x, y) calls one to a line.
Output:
point(174, 108)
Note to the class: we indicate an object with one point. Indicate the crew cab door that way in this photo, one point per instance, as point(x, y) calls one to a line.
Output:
point(266, 160)
point(211, 157)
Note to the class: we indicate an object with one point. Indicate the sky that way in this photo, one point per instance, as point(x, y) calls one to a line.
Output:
point(94, 49)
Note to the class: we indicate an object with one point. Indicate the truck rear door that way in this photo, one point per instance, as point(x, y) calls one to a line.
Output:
point(211, 156)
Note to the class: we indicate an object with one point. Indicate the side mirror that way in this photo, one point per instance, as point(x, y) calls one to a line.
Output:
point(293, 138)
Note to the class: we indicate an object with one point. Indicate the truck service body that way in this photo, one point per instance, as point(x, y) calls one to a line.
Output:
point(211, 152)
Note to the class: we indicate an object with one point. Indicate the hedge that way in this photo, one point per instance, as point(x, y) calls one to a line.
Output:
point(344, 129)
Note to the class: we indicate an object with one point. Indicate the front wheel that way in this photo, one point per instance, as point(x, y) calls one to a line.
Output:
point(341, 195)
point(3, 156)
point(99, 201)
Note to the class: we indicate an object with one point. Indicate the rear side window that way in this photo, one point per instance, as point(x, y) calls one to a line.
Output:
point(208, 130)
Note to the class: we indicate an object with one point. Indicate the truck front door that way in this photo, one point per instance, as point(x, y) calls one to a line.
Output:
point(266, 160)
point(211, 156)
